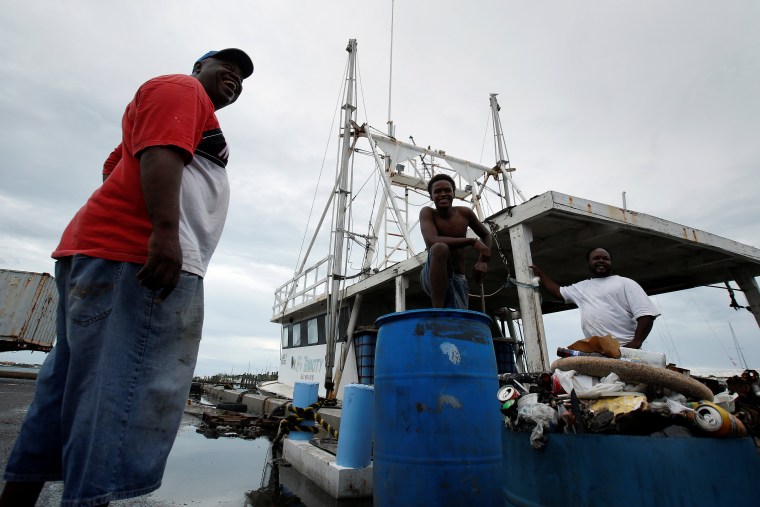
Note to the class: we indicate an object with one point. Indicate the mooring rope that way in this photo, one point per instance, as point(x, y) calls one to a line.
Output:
point(301, 414)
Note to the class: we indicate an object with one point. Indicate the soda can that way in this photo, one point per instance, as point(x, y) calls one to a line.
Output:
point(715, 420)
point(506, 393)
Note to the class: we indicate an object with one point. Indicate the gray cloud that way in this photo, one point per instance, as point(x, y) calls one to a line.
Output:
point(655, 99)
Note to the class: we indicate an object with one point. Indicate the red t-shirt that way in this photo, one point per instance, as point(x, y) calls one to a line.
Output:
point(113, 224)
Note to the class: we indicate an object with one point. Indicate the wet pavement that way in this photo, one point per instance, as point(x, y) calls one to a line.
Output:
point(200, 471)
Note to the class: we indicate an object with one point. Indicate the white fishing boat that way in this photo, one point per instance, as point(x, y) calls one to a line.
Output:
point(380, 185)
point(329, 308)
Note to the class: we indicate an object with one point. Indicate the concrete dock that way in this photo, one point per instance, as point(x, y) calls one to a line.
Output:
point(311, 461)
point(262, 404)
point(320, 467)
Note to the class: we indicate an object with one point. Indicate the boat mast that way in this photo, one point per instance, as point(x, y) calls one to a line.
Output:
point(372, 241)
point(503, 163)
point(333, 297)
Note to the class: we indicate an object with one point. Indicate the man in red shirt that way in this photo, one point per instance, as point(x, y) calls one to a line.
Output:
point(130, 268)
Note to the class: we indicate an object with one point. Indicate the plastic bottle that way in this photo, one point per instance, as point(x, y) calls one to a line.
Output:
point(648, 357)
point(564, 352)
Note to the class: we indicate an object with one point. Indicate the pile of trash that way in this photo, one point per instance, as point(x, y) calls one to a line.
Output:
point(587, 393)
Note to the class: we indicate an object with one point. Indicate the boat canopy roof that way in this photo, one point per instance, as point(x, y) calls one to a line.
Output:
point(660, 255)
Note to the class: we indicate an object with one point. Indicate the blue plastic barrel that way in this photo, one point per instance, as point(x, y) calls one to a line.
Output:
point(437, 424)
point(355, 438)
point(364, 348)
point(304, 394)
point(505, 357)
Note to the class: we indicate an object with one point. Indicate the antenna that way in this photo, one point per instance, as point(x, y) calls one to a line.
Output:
point(391, 130)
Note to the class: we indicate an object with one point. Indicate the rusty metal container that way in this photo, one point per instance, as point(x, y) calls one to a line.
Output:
point(28, 304)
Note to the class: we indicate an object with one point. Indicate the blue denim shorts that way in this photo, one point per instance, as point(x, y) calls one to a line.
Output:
point(457, 292)
point(110, 395)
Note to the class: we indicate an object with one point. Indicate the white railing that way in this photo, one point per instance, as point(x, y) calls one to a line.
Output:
point(305, 287)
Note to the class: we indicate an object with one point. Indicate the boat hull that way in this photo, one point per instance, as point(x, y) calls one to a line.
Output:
point(622, 470)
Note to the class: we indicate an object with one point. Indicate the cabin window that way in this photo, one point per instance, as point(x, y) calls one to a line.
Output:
point(297, 335)
point(285, 332)
point(305, 333)
point(312, 332)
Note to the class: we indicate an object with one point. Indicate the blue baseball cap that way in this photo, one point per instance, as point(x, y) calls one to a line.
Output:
point(234, 55)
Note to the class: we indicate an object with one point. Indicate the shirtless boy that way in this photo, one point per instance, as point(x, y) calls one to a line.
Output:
point(445, 232)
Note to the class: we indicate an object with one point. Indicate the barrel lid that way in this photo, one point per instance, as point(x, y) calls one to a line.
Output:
point(359, 387)
point(424, 313)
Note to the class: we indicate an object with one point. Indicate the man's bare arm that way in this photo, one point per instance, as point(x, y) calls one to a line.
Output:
point(482, 244)
point(161, 174)
point(484, 234)
point(643, 327)
point(550, 285)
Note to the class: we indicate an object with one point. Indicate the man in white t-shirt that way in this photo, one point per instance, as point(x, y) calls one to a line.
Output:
point(609, 304)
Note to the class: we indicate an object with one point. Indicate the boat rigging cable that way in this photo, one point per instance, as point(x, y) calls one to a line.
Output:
point(383, 178)
point(482, 150)
point(715, 335)
point(665, 334)
point(303, 257)
point(319, 177)
point(302, 260)
point(511, 282)
point(371, 232)
point(738, 348)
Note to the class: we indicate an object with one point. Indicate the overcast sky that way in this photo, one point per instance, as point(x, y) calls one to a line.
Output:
point(657, 99)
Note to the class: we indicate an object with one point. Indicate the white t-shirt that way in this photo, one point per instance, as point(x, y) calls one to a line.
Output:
point(609, 306)
point(204, 200)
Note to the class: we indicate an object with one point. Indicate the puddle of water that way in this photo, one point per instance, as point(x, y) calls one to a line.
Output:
point(203, 471)
point(235, 472)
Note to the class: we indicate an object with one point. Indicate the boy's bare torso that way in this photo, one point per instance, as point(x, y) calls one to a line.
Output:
point(454, 226)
